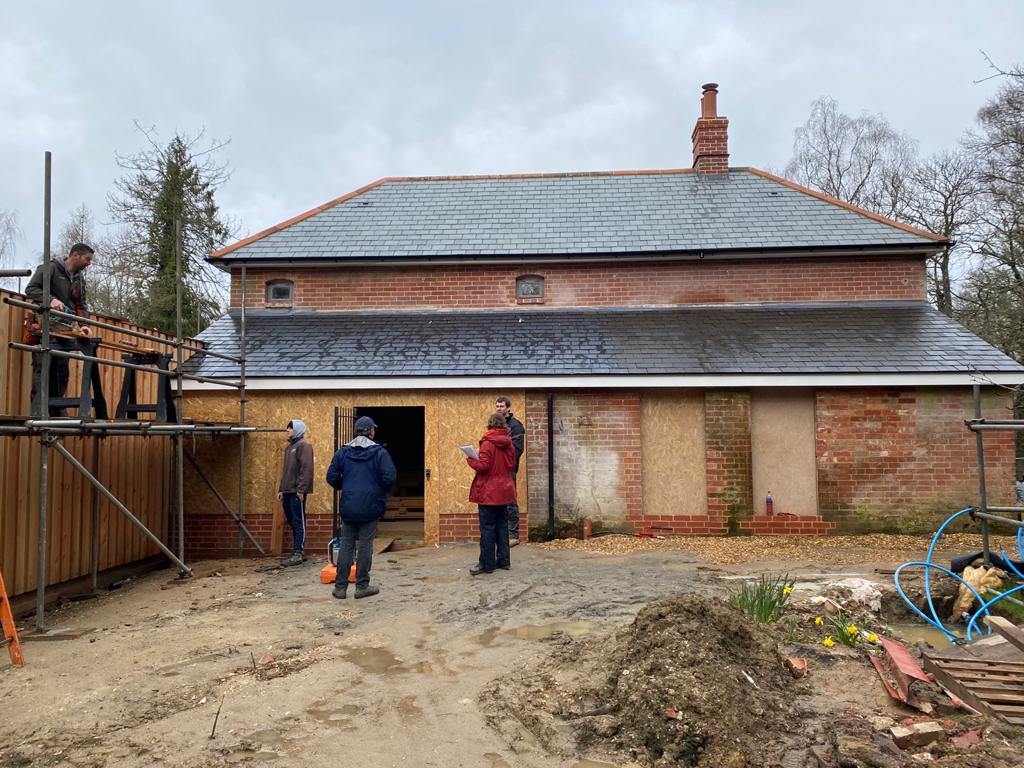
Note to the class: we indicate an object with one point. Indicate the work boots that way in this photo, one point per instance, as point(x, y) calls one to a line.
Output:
point(340, 591)
point(295, 558)
point(369, 591)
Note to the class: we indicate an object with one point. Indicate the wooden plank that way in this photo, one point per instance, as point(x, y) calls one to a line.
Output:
point(951, 683)
point(1014, 635)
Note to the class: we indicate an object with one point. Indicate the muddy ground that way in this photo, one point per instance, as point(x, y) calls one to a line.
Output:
point(517, 668)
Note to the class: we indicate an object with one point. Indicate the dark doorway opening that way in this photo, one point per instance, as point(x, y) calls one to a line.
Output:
point(401, 430)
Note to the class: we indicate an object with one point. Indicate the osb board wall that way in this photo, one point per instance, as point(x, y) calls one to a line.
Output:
point(782, 451)
point(672, 446)
point(135, 469)
point(451, 419)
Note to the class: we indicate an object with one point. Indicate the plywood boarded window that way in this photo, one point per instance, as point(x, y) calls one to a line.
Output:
point(672, 447)
point(782, 450)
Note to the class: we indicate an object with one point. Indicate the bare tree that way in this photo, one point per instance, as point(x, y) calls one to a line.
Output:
point(943, 196)
point(10, 234)
point(861, 160)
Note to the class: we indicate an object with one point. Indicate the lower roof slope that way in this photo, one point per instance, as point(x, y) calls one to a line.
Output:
point(801, 339)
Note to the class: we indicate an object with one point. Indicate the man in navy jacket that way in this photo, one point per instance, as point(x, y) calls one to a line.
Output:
point(364, 472)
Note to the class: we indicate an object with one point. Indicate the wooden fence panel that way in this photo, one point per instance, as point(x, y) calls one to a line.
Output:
point(136, 469)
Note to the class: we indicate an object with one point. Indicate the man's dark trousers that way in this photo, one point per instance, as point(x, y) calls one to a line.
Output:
point(512, 512)
point(295, 514)
point(494, 551)
point(350, 532)
point(59, 375)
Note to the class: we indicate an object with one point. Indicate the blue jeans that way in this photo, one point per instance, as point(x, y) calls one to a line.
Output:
point(295, 514)
point(494, 552)
point(350, 532)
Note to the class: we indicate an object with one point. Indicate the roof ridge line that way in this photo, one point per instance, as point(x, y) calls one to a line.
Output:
point(843, 204)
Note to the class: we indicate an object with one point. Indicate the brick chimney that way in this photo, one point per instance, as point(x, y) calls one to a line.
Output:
point(711, 135)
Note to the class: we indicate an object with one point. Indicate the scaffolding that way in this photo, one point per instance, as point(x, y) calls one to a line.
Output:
point(50, 430)
point(985, 513)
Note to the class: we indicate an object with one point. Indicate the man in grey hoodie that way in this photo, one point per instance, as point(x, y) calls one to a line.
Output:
point(296, 484)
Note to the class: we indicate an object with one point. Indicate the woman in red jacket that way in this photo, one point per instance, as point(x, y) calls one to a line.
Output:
point(493, 490)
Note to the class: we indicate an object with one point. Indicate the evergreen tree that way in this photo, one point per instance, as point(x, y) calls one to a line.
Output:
point(166, 184)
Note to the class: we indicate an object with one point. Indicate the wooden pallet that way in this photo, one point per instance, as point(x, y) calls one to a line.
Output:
point(987, 674)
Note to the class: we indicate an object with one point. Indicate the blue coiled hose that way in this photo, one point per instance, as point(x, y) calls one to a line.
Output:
point(928, 565)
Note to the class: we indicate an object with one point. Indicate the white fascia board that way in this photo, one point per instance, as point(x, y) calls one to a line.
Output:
point(620, 382)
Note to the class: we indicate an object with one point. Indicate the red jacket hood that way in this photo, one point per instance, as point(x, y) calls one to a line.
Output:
point(499, 437)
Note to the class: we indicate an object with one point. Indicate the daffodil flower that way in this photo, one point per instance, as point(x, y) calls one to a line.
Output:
point(818, 620)
point(872, 637)
point(852, 630)
point(786, 590)
point(828, 642)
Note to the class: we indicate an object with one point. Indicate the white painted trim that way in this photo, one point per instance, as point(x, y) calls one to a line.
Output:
point(619, 382)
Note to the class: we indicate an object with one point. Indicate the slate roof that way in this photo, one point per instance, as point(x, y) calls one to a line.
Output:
point(572, 214)
point(869, 337)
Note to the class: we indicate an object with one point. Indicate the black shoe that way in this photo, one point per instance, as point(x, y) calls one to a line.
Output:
point(505, 567)
point(477, 569)
point(366, 592)
point(295, 558)
point(340, 591)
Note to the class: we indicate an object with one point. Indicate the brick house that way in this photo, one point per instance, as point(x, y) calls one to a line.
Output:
point(697, 338)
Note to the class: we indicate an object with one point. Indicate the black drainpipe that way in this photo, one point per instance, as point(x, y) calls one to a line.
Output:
point(551, 465)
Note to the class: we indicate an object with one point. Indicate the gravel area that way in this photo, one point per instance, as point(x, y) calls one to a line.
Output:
point(839, 550)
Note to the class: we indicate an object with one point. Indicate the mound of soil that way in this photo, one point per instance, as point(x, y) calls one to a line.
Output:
point(692, 682)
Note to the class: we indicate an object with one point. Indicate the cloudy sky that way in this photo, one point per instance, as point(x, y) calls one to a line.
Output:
point(318, 98)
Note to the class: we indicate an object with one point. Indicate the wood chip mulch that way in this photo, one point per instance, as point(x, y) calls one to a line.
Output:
point(839, 550)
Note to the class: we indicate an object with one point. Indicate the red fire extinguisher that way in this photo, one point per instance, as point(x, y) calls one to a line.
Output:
point(768, 504)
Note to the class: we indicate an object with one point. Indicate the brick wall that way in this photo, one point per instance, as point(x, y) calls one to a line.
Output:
point(209, 536)
point(589, 285)
point(597, 460)
point(727, 446)
point(901, 459)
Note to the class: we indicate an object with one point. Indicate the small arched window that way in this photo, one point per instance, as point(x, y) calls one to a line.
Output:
point(529, 289)
point(280, 292)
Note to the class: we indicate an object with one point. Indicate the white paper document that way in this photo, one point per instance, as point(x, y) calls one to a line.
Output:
point(470, 451)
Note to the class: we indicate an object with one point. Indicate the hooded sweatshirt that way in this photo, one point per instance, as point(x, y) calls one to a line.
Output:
point(364, 472)
point(493, 484)
point(297, 474)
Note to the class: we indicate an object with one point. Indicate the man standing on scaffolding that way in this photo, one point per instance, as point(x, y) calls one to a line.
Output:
point(67, 294)
point(296, 483)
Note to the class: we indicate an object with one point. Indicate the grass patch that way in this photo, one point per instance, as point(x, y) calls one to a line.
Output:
point(765, 599)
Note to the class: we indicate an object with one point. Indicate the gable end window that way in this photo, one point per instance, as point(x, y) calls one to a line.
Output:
point(529, 289)
point(280, 292)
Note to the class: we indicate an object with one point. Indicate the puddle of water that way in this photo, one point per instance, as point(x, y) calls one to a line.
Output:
point(169, 670)
point(269, 738)
point(543, 631)
point(526, 735)
point(497, 761)
point(333, 717)
point(486, 638)
point(378, 661)
point(920, 633)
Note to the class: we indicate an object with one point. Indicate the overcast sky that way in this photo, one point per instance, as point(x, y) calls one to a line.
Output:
point(319, 98)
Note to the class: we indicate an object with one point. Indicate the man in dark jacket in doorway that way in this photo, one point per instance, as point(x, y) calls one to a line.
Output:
point(364, 472)
point(296, 485)
point(517, 432)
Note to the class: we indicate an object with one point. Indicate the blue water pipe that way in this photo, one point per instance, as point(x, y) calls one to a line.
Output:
point(928, 565)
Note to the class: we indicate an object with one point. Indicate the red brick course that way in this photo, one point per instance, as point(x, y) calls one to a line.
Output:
point(785, 525)
point(728, 458)
point(595, 284)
